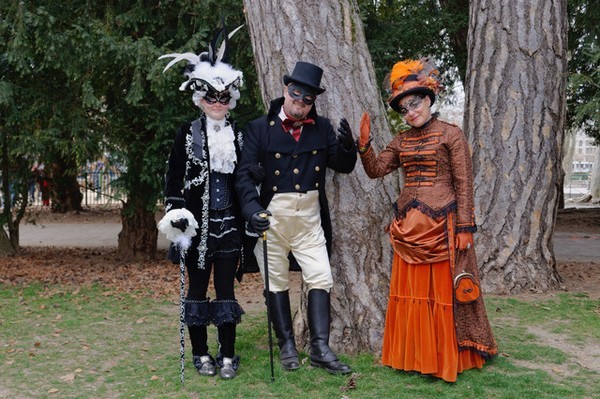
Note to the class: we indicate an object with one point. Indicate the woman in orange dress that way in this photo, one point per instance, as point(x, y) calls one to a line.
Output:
point(436, 322)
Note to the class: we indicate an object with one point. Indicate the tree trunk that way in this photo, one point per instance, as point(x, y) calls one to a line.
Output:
point(137, 239)
point(567, 162)
point(515, 119)
point(66, 195)
point(595, 178)
point(330, 34)
point(9, 241)
point(6, 247)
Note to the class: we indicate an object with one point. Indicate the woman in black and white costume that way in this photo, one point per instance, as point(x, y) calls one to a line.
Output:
point(202, 211)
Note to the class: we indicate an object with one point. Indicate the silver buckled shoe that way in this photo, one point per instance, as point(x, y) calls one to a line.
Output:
point(205, 365)
point(227, 370)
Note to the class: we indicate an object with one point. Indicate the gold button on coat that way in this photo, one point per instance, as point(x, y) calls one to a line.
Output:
point(314, 152)
point(297, 186)
point(317, 168)
point(317, 185)
point(277, 155)
point(272, 123)
point(277, 173)
point(274, 188)
point(296, 171)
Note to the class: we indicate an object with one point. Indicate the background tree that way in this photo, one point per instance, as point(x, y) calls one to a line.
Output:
point(399, 29)
point(515, 119)
point(93, 82)
point(330, 34)
point(43, 46)
point(143, 107)
point(583, 107)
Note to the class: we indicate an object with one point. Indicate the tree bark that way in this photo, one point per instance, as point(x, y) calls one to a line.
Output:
point(595, 178)
point(137, 239)
point(515, 119)
point(66, 195)
point(330, 35)
point(567, 162)
point(6, 247)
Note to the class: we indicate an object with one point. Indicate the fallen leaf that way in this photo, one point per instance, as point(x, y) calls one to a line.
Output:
point(53, 390)
point(140, 321)
point(153, 378)
point(68, 377)
point(37, 344)
point(79, 371)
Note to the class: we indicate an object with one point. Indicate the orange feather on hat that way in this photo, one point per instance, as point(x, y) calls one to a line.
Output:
point(404, 68)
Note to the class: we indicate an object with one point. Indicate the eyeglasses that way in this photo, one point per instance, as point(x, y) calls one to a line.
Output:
point(213, 98)
point(302, 93)
point(411, 105)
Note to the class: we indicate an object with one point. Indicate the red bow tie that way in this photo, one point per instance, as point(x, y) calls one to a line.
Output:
point(296, 126)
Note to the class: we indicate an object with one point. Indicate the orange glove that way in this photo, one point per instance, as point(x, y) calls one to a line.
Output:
point(464, 241)
point(365, 130)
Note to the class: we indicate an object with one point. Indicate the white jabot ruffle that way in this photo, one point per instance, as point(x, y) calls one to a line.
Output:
point(221, 146)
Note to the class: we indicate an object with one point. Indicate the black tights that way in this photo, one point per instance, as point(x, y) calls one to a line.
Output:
point(224, 274)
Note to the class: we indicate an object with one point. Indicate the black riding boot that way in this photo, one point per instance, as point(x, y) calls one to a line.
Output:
point(281, 317)
point(318, 323)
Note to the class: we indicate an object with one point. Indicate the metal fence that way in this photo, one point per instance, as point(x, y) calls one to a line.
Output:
point(95, 186)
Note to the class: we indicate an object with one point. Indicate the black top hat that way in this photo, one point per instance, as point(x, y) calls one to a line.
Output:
point(306, 74)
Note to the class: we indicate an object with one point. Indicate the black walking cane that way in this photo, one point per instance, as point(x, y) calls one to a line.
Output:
point(266, 264)
point(182, 314)
point(182, 225)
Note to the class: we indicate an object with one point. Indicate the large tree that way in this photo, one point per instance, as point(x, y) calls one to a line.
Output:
point(44, 47)
point(331, 35)
point(143, 106)
point(94, 82)
point(515, 120)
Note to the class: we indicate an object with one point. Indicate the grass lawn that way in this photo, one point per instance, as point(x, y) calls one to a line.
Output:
point(62, 342)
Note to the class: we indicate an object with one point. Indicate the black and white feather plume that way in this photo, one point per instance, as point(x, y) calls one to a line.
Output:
point(210, 70)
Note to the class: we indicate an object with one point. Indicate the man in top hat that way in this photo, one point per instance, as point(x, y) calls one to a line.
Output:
point(295, 146)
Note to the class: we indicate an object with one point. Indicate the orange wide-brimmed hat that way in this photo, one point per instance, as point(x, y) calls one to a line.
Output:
point(412, 77)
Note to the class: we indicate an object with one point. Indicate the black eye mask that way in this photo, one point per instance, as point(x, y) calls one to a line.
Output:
point(212, 97)
point(302, 93)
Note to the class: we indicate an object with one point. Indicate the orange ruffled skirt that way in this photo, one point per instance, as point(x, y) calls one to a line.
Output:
point(419, 330)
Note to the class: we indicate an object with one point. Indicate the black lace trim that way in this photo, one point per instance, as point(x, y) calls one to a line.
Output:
point(466, 229)
point(425, 209)
point(226, 311)
point(197, 313)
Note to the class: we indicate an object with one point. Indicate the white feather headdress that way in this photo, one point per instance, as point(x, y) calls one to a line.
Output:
point(210, 70)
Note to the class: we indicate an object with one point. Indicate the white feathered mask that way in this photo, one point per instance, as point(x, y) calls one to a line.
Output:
point(210, 70)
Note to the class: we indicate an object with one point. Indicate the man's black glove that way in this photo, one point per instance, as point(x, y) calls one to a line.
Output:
point(260, 221)
point(181, 224)
point(257, 172)
point(345, 135)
